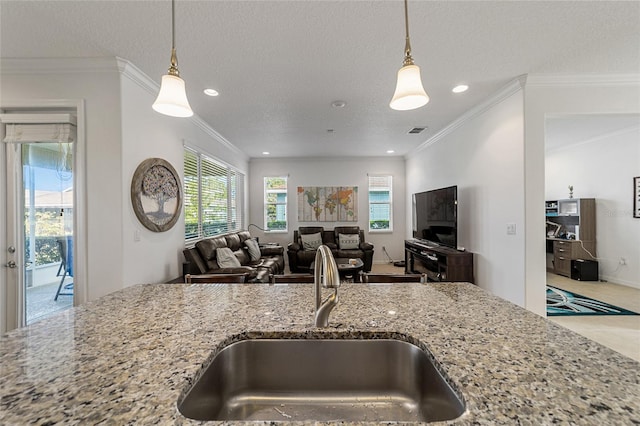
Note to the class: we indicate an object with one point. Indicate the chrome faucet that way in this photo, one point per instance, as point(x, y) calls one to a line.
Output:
point(326, 271)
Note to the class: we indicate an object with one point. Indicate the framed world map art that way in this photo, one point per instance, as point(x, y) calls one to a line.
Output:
point(327, 203)
point(156, 194)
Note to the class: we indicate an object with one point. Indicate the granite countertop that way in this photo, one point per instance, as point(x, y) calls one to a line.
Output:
point(127, 357)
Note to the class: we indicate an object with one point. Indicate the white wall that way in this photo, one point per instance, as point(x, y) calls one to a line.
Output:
point(121, 131)
point(157, 256)
point(483, 155)
point(100, 90)
point(332, 172)
point(603, 168)
point(552, 96)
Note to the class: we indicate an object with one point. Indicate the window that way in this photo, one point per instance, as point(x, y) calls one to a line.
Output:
point(213, 195)
point(275, 203)
point(380, 204)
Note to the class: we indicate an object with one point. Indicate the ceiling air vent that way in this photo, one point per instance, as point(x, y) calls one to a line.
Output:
point(417, 130)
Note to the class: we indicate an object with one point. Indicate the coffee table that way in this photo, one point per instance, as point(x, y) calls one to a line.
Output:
point(345, 269)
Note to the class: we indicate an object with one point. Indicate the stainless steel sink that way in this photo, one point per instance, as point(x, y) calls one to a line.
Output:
point(322, 380)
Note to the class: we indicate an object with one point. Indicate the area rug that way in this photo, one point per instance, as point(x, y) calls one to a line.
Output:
point(562, 302)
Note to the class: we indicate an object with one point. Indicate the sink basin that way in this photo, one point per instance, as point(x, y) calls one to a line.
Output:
point(322, 380)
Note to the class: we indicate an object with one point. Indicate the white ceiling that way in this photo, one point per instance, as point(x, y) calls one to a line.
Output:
point(568, 130)
point(279, 65)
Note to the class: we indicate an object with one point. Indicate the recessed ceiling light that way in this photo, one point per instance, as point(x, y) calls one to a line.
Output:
point(211, 92)
point(265, 153)
point(338, 104)
point(460, 88)
point(390, 151)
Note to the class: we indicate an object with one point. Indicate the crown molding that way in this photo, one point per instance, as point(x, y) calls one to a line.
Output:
point(104, 65)
point(569, 80)
point(205, 127)
point(510, 89)
point(133, 73)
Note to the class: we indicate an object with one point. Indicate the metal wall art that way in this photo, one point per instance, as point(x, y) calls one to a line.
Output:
point(156, 194)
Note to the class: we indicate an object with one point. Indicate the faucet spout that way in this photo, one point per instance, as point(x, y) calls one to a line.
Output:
point(325, 273)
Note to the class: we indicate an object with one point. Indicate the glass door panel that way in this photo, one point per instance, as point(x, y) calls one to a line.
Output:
point(48, 228)
point(40, 195)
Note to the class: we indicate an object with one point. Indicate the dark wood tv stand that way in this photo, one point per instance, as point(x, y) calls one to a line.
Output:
point(437, 262)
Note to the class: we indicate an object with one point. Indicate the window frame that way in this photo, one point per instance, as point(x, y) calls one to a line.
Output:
point(234, 181)
point(267, 204)
point(371, 203)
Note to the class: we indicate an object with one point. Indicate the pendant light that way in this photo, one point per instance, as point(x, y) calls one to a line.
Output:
point(409, 92)
point(172, 99)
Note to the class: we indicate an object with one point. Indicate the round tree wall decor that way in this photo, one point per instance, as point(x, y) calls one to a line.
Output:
point(156, 194)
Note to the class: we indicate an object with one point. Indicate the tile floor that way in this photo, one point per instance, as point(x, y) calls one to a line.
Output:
point(618, 332)
point(40, 303)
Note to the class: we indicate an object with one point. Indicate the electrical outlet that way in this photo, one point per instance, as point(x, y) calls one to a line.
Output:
point(623, 261)
point(511, 229)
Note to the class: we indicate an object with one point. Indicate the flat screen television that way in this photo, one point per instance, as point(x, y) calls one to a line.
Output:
point(435, 216)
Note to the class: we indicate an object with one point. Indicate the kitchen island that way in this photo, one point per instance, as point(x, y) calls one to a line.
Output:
point(127, 357)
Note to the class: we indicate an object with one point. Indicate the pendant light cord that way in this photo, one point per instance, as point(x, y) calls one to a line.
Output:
point(408, 60)
point(173, 69)
point(173, 24)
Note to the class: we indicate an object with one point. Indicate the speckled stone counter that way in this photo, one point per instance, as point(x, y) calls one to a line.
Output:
point(127, 357)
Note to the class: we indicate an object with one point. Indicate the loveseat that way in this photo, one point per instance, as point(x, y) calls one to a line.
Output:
point(235, 253)
point(344, 241)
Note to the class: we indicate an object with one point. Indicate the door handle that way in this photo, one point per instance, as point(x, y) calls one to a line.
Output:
point(11, 264)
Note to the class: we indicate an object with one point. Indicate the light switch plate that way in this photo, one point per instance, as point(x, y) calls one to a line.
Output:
point(511, 229)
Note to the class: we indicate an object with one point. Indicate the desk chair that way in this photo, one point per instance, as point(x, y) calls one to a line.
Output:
point(393, 278)
point(65, 245)
point(215, 278)
point(291, 279)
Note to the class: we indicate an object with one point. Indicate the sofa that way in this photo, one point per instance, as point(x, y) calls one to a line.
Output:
point(302, 251)
point(235, 253)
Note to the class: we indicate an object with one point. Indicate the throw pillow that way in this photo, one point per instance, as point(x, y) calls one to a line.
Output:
point(253, 248)
point(348, 241)
point(226, 258)
point(311, 241)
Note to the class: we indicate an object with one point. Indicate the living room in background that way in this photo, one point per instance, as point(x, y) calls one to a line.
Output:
point(380, 203)
point(213, 194)
point(275, 203)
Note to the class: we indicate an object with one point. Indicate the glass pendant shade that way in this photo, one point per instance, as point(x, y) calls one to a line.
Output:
point(172, 99)
point(409, 91)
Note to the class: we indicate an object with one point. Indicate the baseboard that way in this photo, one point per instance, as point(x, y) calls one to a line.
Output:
point(616, 280)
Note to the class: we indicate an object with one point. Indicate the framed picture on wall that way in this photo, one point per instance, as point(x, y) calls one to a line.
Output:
point(636, 197)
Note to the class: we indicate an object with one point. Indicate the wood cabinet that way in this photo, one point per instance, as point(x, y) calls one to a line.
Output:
point(564, 251)
point(575, 219)
point(438, 263)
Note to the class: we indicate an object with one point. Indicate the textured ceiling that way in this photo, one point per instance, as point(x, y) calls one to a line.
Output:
point(279, 65)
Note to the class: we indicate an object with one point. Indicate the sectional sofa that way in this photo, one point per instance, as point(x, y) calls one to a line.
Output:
point(216, 256)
